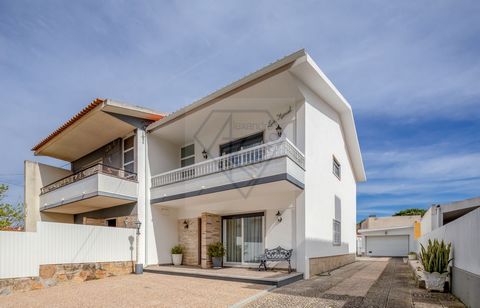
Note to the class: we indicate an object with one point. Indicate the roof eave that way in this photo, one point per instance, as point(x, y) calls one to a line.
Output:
point(237, 84)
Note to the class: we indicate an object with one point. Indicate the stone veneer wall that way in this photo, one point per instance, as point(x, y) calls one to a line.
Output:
point(53, 274)
point(325, 264)
point(189, 239)
point(211, 233)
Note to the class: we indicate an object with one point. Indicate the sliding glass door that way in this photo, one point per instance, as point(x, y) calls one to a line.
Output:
point(243, 238)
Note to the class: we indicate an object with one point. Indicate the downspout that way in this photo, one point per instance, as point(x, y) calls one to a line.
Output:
point(147, 191)
point(438, 210)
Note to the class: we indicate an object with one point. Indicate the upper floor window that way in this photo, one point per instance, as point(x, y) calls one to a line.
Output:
point(187, 155)
point(337, 222)
point(129, 154)
point(337, 170)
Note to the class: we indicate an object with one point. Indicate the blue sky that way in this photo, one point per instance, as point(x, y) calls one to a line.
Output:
point(410, 70)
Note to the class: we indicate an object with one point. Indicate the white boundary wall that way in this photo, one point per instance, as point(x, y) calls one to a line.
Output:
point(464, 234)
point(21, 253)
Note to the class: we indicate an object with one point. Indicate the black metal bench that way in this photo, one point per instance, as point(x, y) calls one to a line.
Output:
point(276, 254)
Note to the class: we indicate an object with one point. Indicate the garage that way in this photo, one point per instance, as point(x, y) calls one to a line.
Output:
point(387, 246)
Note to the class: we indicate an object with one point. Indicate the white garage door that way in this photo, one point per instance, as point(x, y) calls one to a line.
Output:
point(387, 246)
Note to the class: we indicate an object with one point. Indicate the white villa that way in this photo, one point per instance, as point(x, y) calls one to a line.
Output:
point(270, 160)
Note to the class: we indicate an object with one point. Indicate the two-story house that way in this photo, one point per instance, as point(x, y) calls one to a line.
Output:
point(270, 160)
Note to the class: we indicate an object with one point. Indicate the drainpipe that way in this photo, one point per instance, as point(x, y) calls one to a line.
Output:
point(438, 215)
point(147, 191)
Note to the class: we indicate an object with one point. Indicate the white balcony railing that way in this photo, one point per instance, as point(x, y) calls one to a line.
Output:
point(253, 155)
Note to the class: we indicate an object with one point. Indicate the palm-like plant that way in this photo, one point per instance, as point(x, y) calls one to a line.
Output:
point(436, 257)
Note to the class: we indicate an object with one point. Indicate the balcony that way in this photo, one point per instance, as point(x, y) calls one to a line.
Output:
point(91, 189)
point(274, 161)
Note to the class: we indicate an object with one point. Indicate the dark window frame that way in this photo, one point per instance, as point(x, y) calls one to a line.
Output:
point(336, 166)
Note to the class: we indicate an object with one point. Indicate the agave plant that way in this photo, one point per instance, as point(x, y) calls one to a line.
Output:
point(436, 257)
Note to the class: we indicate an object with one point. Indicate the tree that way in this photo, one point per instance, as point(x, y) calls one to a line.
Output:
point(10, 216)
point(410, 212)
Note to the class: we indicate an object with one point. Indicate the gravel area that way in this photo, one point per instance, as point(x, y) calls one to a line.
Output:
point(147, 290)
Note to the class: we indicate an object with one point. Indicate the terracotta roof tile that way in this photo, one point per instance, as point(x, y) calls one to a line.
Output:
point(67, 124)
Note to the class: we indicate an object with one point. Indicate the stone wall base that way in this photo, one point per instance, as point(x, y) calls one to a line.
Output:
point(53, 274)
point(324, 264)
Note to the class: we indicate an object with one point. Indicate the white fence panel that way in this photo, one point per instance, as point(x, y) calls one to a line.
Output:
point(18, 254)
point(21, 253)
point(464, 234)
point(69, 243)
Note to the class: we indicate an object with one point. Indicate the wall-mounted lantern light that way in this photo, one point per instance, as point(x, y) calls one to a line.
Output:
point(279, 130)
point(279, 216)
point(204, 153)
point(185, 224)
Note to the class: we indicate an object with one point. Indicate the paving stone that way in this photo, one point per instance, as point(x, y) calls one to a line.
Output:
point(376, 284)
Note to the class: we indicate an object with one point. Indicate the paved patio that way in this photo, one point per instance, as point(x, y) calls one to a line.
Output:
point(372, 283)
point(274, 277)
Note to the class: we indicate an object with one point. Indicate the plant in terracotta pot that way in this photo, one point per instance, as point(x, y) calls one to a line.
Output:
point(435, 259)
point(412, 255)
point(177, 254)
point(216, 251)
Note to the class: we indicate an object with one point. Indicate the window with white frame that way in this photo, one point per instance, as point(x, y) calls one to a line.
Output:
point(129, 155)
point(187, 155)
point(337, 222)
point(337, 170)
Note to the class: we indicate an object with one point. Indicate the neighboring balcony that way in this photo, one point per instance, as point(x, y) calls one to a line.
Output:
point(277, 161)
point(91, 189)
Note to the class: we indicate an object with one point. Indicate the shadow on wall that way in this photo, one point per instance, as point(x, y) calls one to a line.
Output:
point(165, 232)
point(131, 240)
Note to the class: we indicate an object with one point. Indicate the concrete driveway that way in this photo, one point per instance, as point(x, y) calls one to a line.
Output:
point(374, 283)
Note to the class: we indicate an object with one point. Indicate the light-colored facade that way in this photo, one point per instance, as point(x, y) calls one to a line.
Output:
point(270, 160)
point(388, 236)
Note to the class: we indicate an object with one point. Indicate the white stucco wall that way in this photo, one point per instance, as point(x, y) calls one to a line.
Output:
point(37, 176)
point(323, 140)
point(464, 235)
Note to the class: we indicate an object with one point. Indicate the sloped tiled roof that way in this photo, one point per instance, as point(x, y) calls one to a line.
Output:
point(72, 120)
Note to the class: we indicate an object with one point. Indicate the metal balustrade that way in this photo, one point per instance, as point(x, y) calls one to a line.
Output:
point(95, 169)
point(253, 155)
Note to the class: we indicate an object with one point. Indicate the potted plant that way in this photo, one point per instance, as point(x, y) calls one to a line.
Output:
point(177, 254)
point(216, 251)
point(412, 255)
point(435, 260)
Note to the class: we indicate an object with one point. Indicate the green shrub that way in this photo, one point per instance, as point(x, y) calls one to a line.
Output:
point(436, 257)
point(177, 250)
point(216, 250)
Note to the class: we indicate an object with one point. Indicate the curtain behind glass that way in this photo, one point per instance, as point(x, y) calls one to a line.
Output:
point(233, 236)
point(253, 239)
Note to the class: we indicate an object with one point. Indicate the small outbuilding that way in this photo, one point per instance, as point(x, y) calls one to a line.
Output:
point(388, 236)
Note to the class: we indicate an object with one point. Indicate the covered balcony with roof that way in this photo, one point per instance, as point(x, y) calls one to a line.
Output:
point(243, 136)
point(100, 145)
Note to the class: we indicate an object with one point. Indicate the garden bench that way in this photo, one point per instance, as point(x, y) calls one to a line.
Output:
point(276, 254)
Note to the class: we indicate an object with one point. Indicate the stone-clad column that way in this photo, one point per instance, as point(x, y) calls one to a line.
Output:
point(211, 233)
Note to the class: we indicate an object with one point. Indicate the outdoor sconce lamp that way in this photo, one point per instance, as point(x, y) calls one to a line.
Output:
point(204, 153)
point(138, 224)
point(279, 130)
point(185, 224)
point(279, 216)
